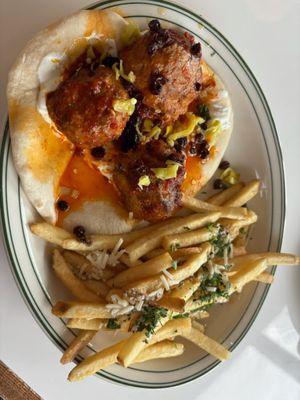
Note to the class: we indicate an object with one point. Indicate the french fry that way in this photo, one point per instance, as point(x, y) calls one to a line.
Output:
point(73, 309)
point(194, 304)
point(171, 303)
point(234, 226)
point(138, 341)
point(164, 349)
point(189, 238)
point(186, 289)
point(244, 195)
point(146, 243)
point(109, 356)
point(71, 282)
point(79, 343)
point(81, 265)
point(247, 274)
point(197, 205)
point(239, 251)
point(209, 345)
point(50, 233)
point(87, 324)
point(134, 345)
point(271, 259)
point(97, 361)
point(149, 268)
point(98, 287)
point(197, 325)
point(220, 198)
point(172, 328)
point(108, 242)
point(154, 253)
point(126, 260)
point(189, 268)
point(265, 277)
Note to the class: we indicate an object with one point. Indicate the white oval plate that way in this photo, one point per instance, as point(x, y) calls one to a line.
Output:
point(254, 150)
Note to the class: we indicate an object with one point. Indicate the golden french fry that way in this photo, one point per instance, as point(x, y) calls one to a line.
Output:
point(138, 341)
point(71, 282)
point(265, 277)
point(197, 325)
point(171, 329)
point(75, 309)
point(242, 237)
point(189, 238)
point(234, 226)
point(209, 345)
point(146, 243)
point(50, 233)
point(194, 304)
point(126, 260)
point(239, 251)
point(271, 259)
point(98, 287)
point(79, 343)
point(149, 268)
point(247, 274)
point(171, 303)
point(134, 345)
point(87, 324)
point(81, 266)
point(108, 242)
point(187, 269)
point(154, 253)
point(220, 198)
point(244, 195)
point(186, 289)
point(197, 205)
point(97, 361)
point(164, 349)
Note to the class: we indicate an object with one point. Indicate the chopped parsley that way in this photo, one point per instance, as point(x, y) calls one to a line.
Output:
point(212, 287)
point(174, 264)
point(185, 315)
point(112, 323)
point(150, 318)
point(186, 228)
point(220, 242)
point(203, 112)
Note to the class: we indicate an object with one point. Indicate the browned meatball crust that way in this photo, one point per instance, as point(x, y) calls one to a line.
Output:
point(168, 76)
point(82, 107)
point(161, 198)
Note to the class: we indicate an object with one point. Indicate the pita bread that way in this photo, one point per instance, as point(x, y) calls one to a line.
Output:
point(41, 153)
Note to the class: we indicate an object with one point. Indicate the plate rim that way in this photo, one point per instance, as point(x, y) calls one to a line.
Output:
point(179, 8)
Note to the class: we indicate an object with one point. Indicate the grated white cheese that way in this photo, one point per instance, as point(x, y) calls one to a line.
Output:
point(165, 282)
point(156, 294)
point(211, 289)
point(139, 305)
point(225, 256)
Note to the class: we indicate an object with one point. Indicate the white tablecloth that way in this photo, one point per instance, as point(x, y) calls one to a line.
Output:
point(266, 365)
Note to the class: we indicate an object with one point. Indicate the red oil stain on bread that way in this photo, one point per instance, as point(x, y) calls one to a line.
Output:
point(85, 183)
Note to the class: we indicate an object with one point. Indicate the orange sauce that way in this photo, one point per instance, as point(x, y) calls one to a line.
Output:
point(85, 184)
point(193, 174)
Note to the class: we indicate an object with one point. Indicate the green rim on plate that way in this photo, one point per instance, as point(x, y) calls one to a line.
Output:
point(8, 236)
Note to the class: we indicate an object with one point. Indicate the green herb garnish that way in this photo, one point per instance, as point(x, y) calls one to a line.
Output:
point(150, 318)
point(185, 315)
point(186, 228)
point(203, 112)
point(112, 323)
point(174, 264)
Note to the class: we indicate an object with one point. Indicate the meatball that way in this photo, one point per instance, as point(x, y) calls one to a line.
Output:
point(161, 198)
point(82, 107)
point(167, 66)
